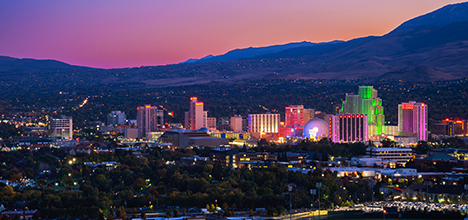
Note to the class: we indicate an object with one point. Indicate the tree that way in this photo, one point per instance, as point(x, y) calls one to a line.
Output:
point(122, 213)
point(36, 215)
point(168, 213)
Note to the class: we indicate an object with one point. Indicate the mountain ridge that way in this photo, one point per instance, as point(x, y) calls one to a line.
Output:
point(426, 52)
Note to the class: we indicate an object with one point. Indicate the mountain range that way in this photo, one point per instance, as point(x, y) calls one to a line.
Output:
point(429, 48)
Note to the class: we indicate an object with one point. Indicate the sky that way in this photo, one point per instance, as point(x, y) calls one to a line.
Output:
point(123, 33)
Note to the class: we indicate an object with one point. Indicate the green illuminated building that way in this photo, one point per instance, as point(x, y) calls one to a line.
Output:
point(367, 103)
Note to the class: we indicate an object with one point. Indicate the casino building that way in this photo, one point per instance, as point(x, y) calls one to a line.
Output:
point(348, 128)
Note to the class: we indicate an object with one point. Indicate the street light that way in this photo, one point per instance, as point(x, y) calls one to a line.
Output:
point(466, 192)
point(313, 192)
point(318, 185)
point(290, 200)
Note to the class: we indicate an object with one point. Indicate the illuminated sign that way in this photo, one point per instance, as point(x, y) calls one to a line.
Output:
point(199, 103)
point(193, 98)
point(147, 106)
point(313, 133)
point(407, 106)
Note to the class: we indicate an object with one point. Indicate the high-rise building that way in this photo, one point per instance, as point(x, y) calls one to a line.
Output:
point(309, 113)
point(149, 119)
point(62, 128)
point(451, 127)
point(367, 103)
point(412, 119)
point(348, 128)
point(116, 118)
point(294, 115)
point(264, 123)
point(211, 123)
point(196, 117)
point(236, 123)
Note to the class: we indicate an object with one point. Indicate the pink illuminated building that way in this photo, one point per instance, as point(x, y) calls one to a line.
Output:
point(348, 128)
point(294, 115)
point(412, 119)
point(196, 117)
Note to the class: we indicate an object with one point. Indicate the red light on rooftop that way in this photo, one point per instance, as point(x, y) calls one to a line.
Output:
point(193, 98)
point(199, 103)
point(422, 104)
point(341, 116)
point(362, 116)
point(138, 108)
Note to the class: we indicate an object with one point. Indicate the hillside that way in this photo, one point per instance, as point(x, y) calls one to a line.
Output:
point(448, 14)
point(10, 65)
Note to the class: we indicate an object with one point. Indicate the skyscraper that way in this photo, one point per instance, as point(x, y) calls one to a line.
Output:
point(294, 115)
point(149, 119)
point(412, 119)
point(367, 103)
point(196, 117)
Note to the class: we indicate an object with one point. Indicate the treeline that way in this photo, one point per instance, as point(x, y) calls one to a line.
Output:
point(79, 190)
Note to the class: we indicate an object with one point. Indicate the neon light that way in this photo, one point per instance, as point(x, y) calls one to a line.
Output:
point(199, 103)
point(407, 106)
point(147, 106)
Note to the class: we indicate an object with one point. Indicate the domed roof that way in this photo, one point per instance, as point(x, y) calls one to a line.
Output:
point(315, 128)
point(204, 130)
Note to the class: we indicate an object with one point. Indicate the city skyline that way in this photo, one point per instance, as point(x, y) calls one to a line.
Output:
point(122, 34)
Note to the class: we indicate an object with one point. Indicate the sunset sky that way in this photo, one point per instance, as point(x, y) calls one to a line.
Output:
point(118, 33)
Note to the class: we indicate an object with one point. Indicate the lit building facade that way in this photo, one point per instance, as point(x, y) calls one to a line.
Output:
point(452, 127)
point(264, 123)
point(196, 117)
point(368, 103)
point(412, 119)
point(294, 115)
point(62, 128)
point(211, 123)
point(149, 119)
point(348, 128)
point(400, 155)
point(309, 113)
point(236, 123)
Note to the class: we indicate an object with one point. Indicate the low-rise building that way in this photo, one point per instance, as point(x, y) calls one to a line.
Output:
point(401, 155)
